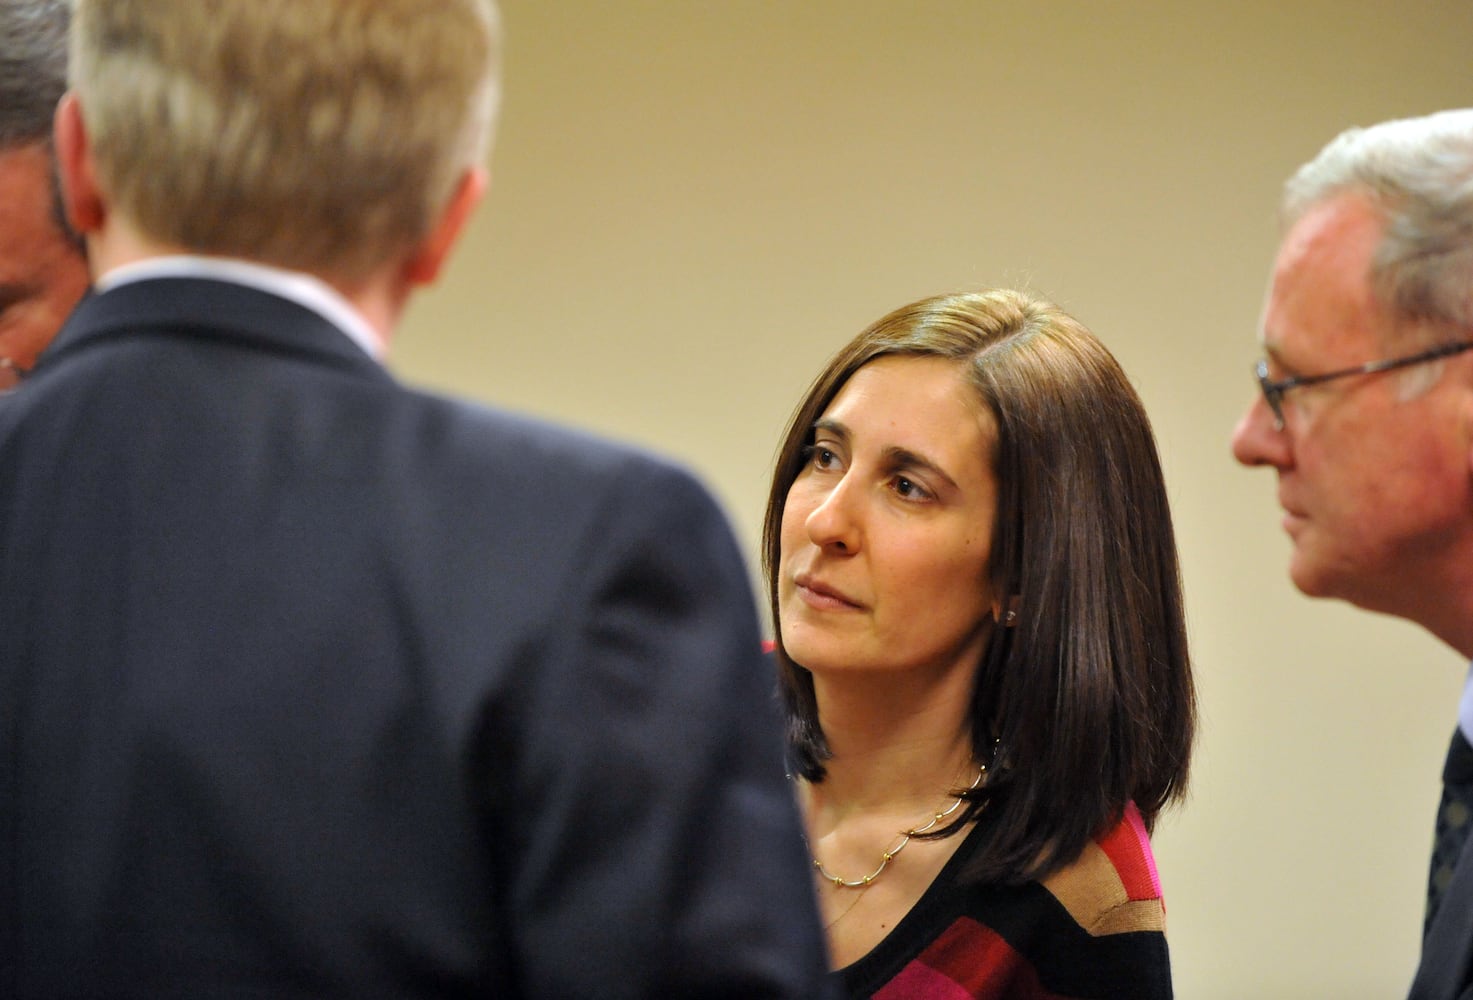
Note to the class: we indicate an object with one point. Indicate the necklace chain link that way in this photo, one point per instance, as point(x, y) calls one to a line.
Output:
point(841, 882)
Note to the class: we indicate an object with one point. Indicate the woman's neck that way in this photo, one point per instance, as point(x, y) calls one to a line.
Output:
point(902, 782)
point(897, 763)
point(892, 746)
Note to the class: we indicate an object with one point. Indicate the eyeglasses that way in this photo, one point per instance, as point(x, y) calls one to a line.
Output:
point(1273, 392)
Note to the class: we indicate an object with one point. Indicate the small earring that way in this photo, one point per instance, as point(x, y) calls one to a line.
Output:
point(1010, 619)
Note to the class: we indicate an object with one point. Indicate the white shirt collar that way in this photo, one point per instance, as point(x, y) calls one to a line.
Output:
point(305, 290)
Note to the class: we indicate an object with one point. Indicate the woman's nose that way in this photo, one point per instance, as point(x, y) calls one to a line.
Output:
point(833, 524)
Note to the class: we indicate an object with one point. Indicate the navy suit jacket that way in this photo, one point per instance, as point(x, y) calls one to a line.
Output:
point(313, 685)
point(1446, 969)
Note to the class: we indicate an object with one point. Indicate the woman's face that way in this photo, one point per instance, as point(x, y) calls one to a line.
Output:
point(887, 530)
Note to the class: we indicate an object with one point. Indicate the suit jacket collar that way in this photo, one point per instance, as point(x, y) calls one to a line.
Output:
point(207, 309)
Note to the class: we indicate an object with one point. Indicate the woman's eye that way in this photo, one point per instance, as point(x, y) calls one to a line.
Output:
point(910, 489)
point(821, 457)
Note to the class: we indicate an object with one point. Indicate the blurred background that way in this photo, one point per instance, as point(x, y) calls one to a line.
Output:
point(694, 204)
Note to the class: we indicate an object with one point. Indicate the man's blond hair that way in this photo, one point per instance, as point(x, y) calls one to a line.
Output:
point(319, 135)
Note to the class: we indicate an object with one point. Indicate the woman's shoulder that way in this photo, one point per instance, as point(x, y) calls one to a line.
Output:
point(1113, 887)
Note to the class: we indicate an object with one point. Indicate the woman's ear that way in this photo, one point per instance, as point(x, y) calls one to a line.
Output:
point(1009, 617)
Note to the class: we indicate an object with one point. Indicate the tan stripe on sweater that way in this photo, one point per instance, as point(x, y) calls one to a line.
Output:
point(1091, 890)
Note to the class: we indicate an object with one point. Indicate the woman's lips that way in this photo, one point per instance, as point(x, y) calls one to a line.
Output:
point(817, 594)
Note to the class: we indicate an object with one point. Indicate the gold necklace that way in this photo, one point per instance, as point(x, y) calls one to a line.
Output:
point(863, 883)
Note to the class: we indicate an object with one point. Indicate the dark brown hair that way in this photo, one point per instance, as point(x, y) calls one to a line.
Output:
point(1089, 697)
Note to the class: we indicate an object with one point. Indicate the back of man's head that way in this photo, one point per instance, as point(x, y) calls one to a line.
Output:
point(318, 135)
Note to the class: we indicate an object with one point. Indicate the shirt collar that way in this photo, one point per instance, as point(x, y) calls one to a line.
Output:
point(1465, 708)
point(305, 290)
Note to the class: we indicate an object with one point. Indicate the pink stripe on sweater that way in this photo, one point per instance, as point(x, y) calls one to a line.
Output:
point(1129, 849)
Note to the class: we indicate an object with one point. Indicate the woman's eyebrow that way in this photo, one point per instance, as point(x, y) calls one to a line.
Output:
point(896, 457)
point(831, 426)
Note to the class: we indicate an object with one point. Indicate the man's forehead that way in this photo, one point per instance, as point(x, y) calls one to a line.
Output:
point(1340, 233)
point(1321, 288)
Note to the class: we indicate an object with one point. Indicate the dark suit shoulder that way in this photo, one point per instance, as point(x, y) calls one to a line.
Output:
point(494, 446)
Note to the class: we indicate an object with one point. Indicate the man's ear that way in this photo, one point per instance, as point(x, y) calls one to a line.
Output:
point(424, 264)
point(81, 197)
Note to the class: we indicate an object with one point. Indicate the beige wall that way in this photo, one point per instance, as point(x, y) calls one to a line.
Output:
point(695, 203)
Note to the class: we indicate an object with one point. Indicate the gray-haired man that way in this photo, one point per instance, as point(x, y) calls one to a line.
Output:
point(1367, 417)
